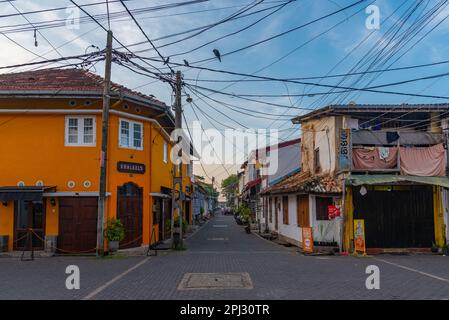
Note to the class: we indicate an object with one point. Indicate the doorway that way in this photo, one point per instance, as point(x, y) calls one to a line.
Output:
point(77, 224)
point(29, 214)
point(129, 211)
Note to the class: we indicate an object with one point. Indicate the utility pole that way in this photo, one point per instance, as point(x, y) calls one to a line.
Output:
point(177, 169)
point(104, 146)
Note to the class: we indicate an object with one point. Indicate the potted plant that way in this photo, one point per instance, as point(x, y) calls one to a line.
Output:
point(115, 232)
point(434, 248)
point(446, 249)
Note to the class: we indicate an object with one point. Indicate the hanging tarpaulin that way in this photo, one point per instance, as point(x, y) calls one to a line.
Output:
point(425, 162)
point(359, 236)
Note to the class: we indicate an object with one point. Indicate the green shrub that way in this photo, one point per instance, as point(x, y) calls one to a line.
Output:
point(244, 213)
point(115, 230)
point(176, 224)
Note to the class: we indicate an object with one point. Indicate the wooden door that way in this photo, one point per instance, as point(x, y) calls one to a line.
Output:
point(129, 211)
point(302, 210)
point(285, 210)
point(29, 214)
point(276, 212)
point(77, 225)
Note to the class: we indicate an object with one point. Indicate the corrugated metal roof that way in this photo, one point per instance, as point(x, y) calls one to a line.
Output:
point(348, 108)
point(358, 180)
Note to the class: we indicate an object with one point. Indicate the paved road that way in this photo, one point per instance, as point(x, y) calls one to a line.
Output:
point(221, 246)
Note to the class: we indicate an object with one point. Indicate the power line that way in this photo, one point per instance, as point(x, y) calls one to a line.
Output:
point(143, 32)
point(285, 32)
point(277, 8)
point(51, 45)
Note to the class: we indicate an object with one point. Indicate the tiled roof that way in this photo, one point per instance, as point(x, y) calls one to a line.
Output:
point(304, 182)
point(64, 80)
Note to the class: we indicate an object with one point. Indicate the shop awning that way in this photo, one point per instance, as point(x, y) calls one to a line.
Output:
point(22, 193)
point(160, 195)
point(358, 180)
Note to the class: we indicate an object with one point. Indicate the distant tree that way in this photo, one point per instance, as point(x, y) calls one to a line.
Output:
point(229, 188)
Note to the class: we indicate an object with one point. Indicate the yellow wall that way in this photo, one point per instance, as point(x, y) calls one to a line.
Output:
point(33, 149)
point(7, 222)
point(438, 216)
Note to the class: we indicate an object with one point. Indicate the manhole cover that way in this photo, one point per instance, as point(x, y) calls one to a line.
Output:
point(204, 281)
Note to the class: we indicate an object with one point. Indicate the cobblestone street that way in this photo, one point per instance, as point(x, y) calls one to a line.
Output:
point(221, 246)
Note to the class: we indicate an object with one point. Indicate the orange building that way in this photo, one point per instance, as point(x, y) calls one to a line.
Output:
point(50, 129)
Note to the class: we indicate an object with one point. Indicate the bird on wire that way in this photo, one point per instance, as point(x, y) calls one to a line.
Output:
point(217, 54)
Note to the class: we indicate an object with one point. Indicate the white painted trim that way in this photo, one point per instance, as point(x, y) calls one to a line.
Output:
point(84, 111)
point(80, 131)
point(130, 134)
point(160, 195)
point(74, 194)
point(165, 152)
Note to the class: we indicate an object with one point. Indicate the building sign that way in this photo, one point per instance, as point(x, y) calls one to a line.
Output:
point(343, 153)
point(333, 211)
point(359, 235)
point(130, 167)
point(307, 239)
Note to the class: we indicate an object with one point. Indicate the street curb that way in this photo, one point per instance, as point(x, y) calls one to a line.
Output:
point(269, 241)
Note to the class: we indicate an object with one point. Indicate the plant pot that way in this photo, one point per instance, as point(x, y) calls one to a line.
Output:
point(176, 230)
point(176, 239)
point(434, 250)
point(113, 246)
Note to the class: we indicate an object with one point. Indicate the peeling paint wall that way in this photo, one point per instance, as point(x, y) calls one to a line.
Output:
point(320, 134)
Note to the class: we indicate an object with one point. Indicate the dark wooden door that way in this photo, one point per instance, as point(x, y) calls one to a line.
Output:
point(276, 212)
point(77, 224)
point(129, 211)
point(29, 214)
point(285, 210)
point(166, 215)
point(396, 218)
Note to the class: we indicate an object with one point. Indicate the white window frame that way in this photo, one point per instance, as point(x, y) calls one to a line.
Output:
point(130, 134)
point(165, 152)
point(80, 142)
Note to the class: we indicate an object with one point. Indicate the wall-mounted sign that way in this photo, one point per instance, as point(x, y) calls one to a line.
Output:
point(343, 152)
point(307, 239)
point(359, 235)
point(333, 211)
point(130, 167)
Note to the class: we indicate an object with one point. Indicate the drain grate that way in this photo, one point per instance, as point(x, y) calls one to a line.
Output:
point(205, 281)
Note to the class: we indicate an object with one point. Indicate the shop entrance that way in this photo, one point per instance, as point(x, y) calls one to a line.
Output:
point(129, 211)
point(29, 214)
point(396, 216)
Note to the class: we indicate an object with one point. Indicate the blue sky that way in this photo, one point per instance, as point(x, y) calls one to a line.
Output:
point(314, 59)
